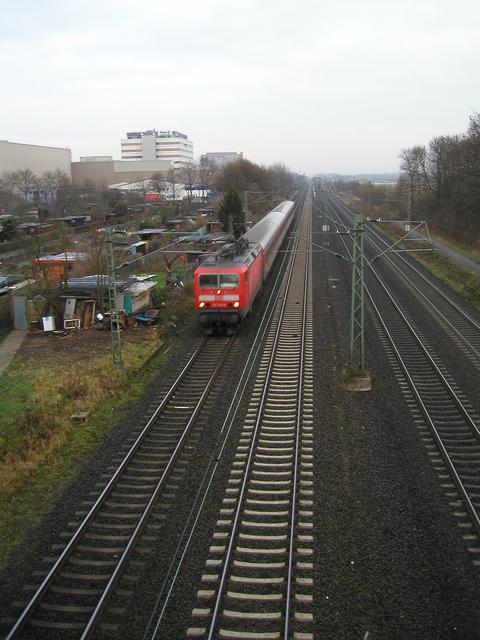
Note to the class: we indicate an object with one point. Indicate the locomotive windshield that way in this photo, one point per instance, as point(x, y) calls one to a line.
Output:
point(228, 280)
point(208, 281)
point(218, 281)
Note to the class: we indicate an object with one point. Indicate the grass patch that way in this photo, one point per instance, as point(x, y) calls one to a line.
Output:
point(469, 252)
point(463, 282)
point(161, 276)
point(41, 449)
point(16, 391)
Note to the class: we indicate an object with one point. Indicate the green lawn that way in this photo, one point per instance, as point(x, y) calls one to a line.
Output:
point(463, 282)
point(161, 276)
point(41, 449)
point(15, 393)
point(473, 254)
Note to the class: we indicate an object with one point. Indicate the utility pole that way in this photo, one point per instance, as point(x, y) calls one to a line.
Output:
point(112, 301)
point(357, 378)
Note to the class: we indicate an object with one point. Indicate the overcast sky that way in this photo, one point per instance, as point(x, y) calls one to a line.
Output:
point(321, 86)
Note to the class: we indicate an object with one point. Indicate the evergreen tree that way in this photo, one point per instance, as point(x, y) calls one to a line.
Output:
point(238, 216)
point(224, 212)
point(231, 213)
point(7, 229)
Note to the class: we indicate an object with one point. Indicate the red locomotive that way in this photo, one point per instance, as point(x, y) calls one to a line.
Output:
point(227, 282)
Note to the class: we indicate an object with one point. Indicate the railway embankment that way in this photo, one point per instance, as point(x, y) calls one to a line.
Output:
point(455, 265)
point(391, 553)
point(457, 271)
point(51, 379)
point(393, 562)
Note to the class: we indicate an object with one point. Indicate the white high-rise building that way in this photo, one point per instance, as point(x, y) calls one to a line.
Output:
point(157, 145)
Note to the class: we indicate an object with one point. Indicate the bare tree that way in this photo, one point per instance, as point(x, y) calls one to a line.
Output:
point(9, 182)
point(143, 185)
point(158, 182)
point(414, 166)
point(62, 179)
point(445, 180)
point(172, 180)
point(49, 181)
point(26, 180)
point(281, 179)
point(206, 171)
point(190, 178)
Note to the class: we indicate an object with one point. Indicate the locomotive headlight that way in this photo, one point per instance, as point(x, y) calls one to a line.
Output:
point(236, 304)
point(219, 291)
point(201, 305)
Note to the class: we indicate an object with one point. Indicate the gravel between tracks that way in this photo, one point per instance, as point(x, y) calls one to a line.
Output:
point(390, 559)
point(177, 616)
point(27, 557)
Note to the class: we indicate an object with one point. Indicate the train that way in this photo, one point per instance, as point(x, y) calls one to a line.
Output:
point(227, 282)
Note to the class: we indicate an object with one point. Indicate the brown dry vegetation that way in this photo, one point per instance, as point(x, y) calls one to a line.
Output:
point(57, 392)
point(52, 378)
point(463, 282)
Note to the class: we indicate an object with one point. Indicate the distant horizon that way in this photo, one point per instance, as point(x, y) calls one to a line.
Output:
point(338, 87)
point(196, 157)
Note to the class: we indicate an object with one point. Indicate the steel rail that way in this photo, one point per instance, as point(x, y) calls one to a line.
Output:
point(118, 571)
point(445, 455)
point(443, 296)
point(207, 479)
point(437, 311)
point(298, 427)
point(66, 553)
point(424, 350)
point(468, 419)
point(248, 465)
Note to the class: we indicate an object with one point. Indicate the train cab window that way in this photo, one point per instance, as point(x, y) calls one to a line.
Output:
point(228, 281)
point(208, 281)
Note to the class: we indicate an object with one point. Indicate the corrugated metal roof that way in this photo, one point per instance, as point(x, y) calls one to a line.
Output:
point(68, 256)
point(141, 287)
point(87, 285)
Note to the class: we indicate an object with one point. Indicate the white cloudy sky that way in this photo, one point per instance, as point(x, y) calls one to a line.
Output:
point(319, 85)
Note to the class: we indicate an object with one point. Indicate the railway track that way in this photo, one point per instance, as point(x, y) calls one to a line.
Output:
point(258, 578)
point(442, 407)
point(460, 325)
point(104, 549)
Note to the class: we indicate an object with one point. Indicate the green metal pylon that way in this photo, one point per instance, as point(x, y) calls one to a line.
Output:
point(112, 302)
point(357, 311)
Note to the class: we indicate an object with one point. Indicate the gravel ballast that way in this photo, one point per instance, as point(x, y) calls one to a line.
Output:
point(389, 558)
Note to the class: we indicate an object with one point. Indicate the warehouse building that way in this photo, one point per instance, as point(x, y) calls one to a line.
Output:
point(15, 156)
point(104, 173)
